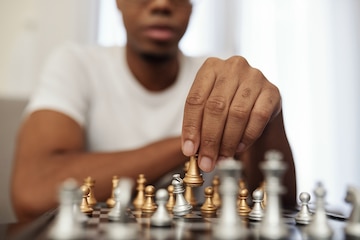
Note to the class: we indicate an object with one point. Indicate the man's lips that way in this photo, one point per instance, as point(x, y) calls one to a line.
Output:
point(159, 33)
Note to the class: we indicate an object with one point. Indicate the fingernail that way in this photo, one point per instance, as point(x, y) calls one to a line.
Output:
point(205, 164)
point(241, 147)
point(188, 148)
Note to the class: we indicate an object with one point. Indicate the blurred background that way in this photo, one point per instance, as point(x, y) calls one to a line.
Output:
point(309, 49)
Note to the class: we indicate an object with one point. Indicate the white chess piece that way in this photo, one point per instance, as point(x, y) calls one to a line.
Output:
point(304, 216)
point(229, 225)
point(161, 217)
point(257, 212)
point(66, 225)
point(182, 207)
point(272, 225)
point(319, 227)
point(352, 228)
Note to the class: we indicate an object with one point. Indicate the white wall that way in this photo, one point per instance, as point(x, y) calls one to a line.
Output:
point(31, 29)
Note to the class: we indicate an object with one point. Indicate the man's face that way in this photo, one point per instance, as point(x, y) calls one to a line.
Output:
point(155, 27)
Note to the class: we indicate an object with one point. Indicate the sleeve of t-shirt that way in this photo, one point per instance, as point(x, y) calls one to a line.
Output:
point(64, 85)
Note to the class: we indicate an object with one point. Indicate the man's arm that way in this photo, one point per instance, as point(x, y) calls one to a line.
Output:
point(51, 148)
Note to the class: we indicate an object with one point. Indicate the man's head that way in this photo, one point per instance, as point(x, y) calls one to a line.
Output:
point(155, 27)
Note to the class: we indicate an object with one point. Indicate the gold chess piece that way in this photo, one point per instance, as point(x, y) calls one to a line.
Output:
point(171, 201)
point(110, 202)
point(189, 193)
point(84, 206)
point(243, 208)
point(140, 197)
point(208, 209)
point(149, 206)
point(193, 177)
point(90, 183)
point(216, 198)
point(241, 186)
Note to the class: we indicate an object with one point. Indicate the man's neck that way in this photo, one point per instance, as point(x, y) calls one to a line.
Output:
point(155, 73)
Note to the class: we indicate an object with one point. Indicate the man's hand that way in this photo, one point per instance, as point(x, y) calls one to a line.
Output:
point(227, 108)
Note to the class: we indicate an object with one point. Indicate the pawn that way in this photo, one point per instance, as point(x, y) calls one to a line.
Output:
point(216, 197)
point(193, 177)
point(243, 208)
point(319, 227)
point(110, 202)
point(84, 206)
point(161, 217)
point(171, 201)
point(304, 216)
point(149, 206)
point(140, 197)
point(182, 207)
point(257, 212)
point(122, 196)
point(208, 209)
point(90, 183)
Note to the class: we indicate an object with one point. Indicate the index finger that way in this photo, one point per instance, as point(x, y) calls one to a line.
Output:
point(194, 108)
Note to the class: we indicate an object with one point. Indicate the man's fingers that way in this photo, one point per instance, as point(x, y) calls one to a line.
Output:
point(266, 107)
point(194, 108)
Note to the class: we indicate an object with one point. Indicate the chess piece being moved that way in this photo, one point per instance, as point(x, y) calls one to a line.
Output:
point(193, 177)
point(319, 227)
point(182, 207)
point(140, 197)
point(304, 216)
point(208, 209)
point(229, 225)
point(352, 228)
point(65, 225)
point(189, 193)
point(84, 205)
point(272, 225)
point(149, 206)
point(90, 183)
point(161, 217)
point(257, 212)
point(110, 202)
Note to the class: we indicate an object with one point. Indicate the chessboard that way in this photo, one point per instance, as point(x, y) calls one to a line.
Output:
point(172, 213)
point(193, 226)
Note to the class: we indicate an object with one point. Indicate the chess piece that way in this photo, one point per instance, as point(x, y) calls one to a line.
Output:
point(304, 216)
point(208, 209)
point(122, 196)
point(80, 216)
point(149, 206)
point(352, 228)
point(243, 208)
point(189, 193)
point(216, 197)
point(110, 202)
point(193, 177)
point(140, 197)
point(65, 225)
point(263, 189)
point(181, 207)
point(90, 183)
point(161, 217)
point(171, 201)
point(229, 225)
point(319, 227)
point(257, 212)
point(84, 205)
point(272, 225)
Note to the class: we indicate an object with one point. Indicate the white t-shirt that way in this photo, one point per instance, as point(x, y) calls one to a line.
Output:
point(94, 86)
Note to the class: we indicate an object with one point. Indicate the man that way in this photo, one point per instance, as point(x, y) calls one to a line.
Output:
point(139, 109)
